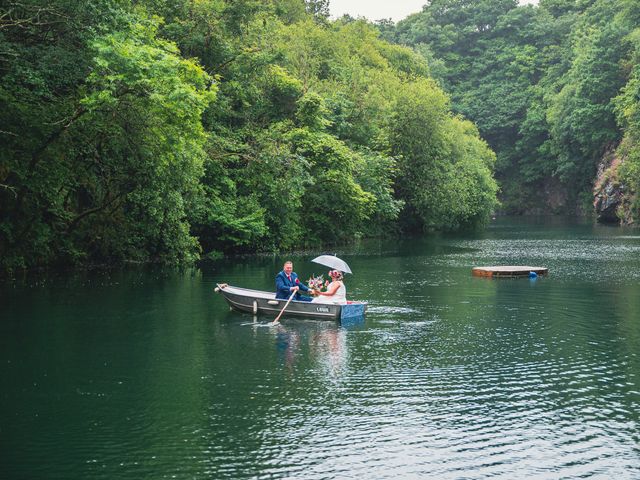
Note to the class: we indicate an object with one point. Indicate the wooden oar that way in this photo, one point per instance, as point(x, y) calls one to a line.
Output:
point(275, 322)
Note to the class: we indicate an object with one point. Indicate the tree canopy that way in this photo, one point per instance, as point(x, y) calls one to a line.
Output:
point(550, 87)
point(148, 131)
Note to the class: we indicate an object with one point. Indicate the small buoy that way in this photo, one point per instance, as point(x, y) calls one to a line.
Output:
point(273, 302)
point(533, 275)
point(217, 289)
point(255, 307)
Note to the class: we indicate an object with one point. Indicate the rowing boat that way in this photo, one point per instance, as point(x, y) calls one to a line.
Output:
point(261, 302)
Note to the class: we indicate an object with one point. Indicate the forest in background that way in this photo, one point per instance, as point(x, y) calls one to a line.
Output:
point(168, 131)
point(554, 89)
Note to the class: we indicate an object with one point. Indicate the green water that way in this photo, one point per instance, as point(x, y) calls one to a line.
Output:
point(146, 374)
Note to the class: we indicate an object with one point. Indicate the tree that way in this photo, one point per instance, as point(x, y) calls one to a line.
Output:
point(115, 175)
point(581, 117)
point(318, 9)
point(445, 169)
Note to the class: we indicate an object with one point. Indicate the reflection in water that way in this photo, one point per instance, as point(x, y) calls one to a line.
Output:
point(329, 346)
point(322, 343)
point(288, 344)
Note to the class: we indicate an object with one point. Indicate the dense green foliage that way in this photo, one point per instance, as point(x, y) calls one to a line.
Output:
point(627, 107)
point(103, 142)
point(551, 88)
point(164, 131)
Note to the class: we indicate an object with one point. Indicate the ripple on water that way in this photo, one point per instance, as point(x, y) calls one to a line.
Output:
point(591, 258)
point(391, 310)
point(449, 377)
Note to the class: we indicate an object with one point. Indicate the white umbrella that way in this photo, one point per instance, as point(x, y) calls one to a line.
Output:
point(333, 262)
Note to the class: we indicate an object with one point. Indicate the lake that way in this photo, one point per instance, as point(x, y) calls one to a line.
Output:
point(144, 373)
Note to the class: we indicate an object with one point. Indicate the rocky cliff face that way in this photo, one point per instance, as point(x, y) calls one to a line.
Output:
point(610, 197)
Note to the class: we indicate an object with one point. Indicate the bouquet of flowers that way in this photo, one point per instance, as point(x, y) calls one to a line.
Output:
point(318, 283)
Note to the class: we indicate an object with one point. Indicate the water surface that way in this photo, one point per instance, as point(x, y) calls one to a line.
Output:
point(146, 374)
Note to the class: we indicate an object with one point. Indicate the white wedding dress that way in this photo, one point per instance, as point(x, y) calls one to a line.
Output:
point(339, 297)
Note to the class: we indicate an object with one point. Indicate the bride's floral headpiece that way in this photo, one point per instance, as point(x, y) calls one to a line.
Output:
point(336, 274)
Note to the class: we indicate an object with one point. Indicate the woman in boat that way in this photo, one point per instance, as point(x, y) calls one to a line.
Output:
point(336, 291)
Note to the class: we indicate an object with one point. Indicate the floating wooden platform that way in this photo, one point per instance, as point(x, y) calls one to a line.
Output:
point(508, 271)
